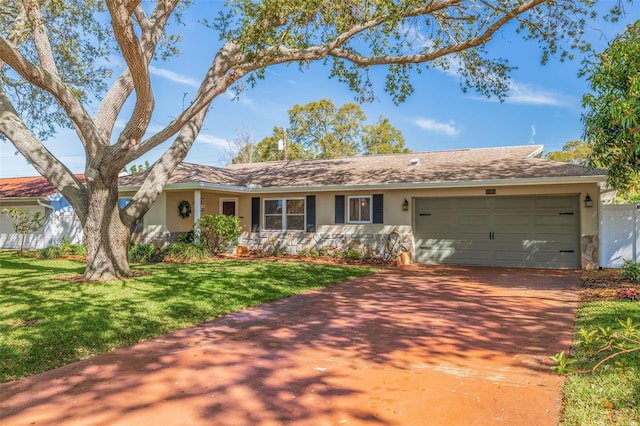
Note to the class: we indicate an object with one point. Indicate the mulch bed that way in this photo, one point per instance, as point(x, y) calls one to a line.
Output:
point(603, 285)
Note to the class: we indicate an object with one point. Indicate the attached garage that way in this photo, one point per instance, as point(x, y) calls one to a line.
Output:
point(520, 231)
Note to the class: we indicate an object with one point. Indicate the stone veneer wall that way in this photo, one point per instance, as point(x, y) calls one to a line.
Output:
point(589, 251)
point(293, 242)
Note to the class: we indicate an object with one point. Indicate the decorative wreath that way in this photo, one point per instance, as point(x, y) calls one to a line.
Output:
point(184, 209)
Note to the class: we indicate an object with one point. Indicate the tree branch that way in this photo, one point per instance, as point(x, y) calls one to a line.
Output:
point(39, 77)
point(119, 92)
point(40, 37)
point(138, 66)
point(220, 76)
point(44, 162)
point(16, 33)
point(334, 49)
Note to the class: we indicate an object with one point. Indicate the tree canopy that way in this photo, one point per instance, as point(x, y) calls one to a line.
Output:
point(580, 152)
point(612, 109)
point(576, 152)
point(55, 59)
point(321, 130)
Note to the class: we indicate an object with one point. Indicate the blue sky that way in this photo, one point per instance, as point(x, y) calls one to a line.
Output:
point(543, 107)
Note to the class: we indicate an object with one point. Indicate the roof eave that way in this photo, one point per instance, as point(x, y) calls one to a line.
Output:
point(30, 198)
point(191, 186)
point(439, 184)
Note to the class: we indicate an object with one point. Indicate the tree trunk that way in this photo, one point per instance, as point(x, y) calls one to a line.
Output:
point(107, 237)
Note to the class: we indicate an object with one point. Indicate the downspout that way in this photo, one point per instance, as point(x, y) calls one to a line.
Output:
point(197, 203)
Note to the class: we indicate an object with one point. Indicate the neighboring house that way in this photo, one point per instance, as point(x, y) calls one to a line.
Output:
point(36, 194)
point(487, 206)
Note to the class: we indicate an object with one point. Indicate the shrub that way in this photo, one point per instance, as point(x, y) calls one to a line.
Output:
point(218, 232)
point(144, 253)
point(187, 237)
point(630, 294)
point(188, 251)
point(348, 254)
point(630, 270)
point(69, 249)
point(51, 252)
point(605, 343)
point(66, 248)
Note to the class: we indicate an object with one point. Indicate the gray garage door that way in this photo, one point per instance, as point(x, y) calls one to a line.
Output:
point(536, 232)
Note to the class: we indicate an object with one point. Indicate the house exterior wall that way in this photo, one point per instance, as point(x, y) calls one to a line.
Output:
point(163, 222)
point(371, 237)
point(175, 223)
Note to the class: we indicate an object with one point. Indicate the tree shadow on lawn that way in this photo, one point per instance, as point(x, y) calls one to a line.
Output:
point(321, 356)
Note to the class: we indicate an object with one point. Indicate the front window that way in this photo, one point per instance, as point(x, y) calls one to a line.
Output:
point(360, 209)
point(284, 214)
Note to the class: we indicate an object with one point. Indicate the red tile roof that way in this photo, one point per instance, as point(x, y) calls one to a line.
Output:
point(34, 186)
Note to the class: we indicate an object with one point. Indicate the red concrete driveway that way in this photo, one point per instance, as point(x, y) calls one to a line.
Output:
point(417, 346)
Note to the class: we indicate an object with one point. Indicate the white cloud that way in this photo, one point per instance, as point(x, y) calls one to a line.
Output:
point(212, 140)
point(532, 139)
point(172, 76)
point(430, 125)
point(520, 93)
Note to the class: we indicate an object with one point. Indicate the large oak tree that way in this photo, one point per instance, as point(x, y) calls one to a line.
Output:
point(52, 57)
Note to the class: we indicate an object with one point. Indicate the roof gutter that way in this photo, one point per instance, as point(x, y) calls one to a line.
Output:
point(45, 205)
point(13, 199)
point(256, 189)
point(537, 152)
point(191, 186)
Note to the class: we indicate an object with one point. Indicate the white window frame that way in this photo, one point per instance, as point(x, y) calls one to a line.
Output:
point(285, 226)
point(348, 208)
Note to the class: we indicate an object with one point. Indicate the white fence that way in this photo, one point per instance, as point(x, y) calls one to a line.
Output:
point(619, 234)
point(62, 223)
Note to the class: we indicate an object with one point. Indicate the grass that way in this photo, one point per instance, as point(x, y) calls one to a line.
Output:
point(609, 396)
point(47, 321)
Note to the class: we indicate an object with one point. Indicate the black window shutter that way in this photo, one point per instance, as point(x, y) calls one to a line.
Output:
point(378, 208)
point(311, 213)
point(255, 214)
point(339, 209)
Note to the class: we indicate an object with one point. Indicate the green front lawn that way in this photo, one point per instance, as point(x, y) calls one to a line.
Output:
point(48, 320)
point(611, 395)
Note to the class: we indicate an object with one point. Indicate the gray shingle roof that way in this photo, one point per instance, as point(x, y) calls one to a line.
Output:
point(480, 164)
point(439, 166)
point(190, 173)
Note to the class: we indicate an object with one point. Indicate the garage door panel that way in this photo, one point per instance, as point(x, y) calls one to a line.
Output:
point(503, 220)
point(528, 231)
point(557, 239)
point(554, 260)
point(523, 203)
point(557, 220)
point(552, 202)
point(465, 205)
point(458, 244)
